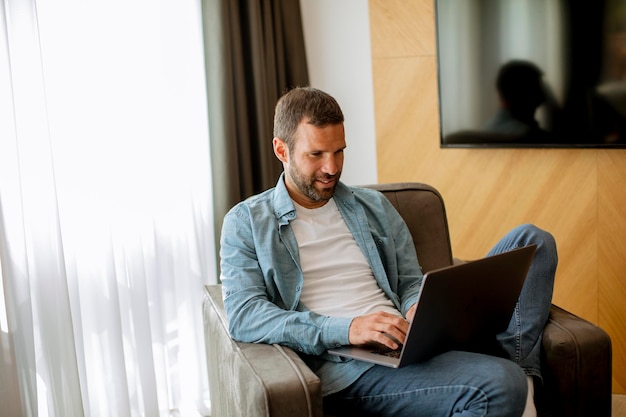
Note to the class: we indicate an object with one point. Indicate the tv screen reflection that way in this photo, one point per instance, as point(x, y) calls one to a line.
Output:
point(532, 73)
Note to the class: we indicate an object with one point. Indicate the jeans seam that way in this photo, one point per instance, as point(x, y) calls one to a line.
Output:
point(364, 399)
point(518, 334)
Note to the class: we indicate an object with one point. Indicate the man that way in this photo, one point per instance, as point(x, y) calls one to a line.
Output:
point(521, 90)
point(314, 264)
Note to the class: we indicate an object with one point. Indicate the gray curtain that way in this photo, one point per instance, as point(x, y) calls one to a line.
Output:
point(254, 52)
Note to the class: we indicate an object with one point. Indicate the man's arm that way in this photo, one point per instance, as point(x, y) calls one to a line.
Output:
point(253, 313)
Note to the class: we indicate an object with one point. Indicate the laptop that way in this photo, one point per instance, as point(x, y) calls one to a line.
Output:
point(458, 308)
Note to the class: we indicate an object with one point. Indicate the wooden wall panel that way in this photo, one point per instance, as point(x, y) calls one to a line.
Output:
point(412, 35)
point(612, 256)
point(577, 194)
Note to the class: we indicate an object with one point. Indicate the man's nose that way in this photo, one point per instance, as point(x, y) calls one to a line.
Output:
point(331, 165)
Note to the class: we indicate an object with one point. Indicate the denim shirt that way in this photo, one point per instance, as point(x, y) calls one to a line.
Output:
point(262, 278)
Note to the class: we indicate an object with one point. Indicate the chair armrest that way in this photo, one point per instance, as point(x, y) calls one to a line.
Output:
point(254, 379)
point(577, 366)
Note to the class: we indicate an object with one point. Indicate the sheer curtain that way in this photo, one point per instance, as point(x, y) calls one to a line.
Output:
point(106, 230)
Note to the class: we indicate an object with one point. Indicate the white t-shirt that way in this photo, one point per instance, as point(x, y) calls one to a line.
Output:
point(338, 280)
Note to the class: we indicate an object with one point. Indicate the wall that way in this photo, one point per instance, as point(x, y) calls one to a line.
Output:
point(336, 34)
point(577, 194)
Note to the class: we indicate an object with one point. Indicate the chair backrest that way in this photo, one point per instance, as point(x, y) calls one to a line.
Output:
point(422, 208)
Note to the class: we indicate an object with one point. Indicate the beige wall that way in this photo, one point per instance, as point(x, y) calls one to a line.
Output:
point(577, 194)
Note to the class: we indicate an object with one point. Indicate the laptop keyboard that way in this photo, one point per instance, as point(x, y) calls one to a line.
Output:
point(388, 352)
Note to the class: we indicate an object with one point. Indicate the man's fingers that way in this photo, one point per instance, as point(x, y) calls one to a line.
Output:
point(380, 327)
point(386, 339)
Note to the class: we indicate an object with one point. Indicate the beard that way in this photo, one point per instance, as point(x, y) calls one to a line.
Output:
point(307, 185)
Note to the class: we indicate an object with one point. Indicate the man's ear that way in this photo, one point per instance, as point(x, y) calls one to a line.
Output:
point(280, 150)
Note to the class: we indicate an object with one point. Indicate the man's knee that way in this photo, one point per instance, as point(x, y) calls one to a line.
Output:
point(530, 234)
point(508, 388)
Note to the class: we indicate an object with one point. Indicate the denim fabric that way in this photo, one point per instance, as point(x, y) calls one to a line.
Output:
point(451, 384)
point(262, 278)
point(522, 340)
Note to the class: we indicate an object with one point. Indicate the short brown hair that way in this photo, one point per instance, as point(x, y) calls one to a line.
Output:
point(319, 108)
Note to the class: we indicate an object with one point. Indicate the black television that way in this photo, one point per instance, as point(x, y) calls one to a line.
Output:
point(532, 73)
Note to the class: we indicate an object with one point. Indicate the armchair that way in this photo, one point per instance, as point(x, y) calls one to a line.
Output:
point(271, 380)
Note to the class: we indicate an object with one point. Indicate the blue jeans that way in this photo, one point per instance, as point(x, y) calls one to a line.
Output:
point(521, 342)
point(468, 383)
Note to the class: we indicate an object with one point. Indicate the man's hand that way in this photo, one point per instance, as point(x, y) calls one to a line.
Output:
point(379, 327)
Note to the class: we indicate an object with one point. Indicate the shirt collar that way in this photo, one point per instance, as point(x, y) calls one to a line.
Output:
point(284, 206)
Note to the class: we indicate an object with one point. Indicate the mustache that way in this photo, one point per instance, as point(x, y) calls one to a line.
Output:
point(326, 177)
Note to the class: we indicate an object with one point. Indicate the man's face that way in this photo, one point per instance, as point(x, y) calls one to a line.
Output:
point(313, 167)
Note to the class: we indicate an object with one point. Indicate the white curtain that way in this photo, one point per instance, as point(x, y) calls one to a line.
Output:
point(105, 218)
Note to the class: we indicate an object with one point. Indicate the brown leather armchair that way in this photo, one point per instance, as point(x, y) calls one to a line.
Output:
point(271, 380)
